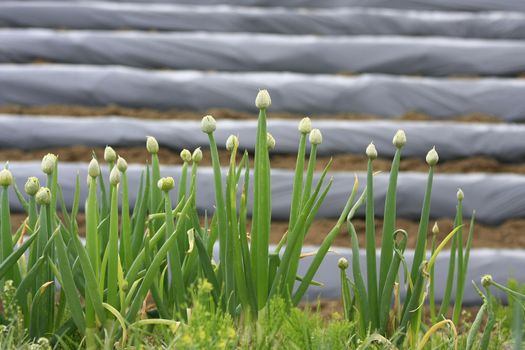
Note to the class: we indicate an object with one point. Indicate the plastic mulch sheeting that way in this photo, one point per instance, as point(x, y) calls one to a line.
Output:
point(494, 197)
point(452, 140)
point(265, 52)
point(502, 264)
point(381, 95)
point(448, 5)
point(223, 18)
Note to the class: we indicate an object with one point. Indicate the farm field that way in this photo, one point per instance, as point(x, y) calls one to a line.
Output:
point(256, 175)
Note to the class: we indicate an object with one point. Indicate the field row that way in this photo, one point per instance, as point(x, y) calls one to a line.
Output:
point(223, 18)
point(503, 142)
point(380, 95)
point(501, 264)
point(445, 5)
point(494, 197)
point(242, 52)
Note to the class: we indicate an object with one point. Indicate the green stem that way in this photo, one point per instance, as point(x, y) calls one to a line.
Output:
point(125, 249)
point(261, 212)
point(7, 243)
point(298, 182)
point(112, 274)
point(460, 270)
point(371, 257)
point(32, 219)
point(233, 237)
point(312, 160)
point(174, 258)
point(389, 222)
point(224, 261)
point(92, 248)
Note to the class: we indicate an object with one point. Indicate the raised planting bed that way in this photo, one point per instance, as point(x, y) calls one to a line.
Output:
point(502, 142)
point(380, 95)
point(235, 52)
point(502, 264)
point(449, 5)
point(224, 18)
point(495, 198)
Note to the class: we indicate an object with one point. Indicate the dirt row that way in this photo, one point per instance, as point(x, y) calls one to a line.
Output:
point(341, 162)
point(506, 235)
point(144, 113)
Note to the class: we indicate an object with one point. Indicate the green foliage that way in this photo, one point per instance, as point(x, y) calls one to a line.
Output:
point(377, 308)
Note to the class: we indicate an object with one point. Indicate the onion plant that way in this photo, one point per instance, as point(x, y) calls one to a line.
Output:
point(377, 305)
point(249, 273)
point(139, 263)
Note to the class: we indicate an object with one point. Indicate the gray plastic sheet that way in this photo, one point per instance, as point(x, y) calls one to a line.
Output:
point(264, 52)
point(502, 264)
point(494, 197)
point(446, 5)
point(452, 140)
point(224, 18)
point(381, 95)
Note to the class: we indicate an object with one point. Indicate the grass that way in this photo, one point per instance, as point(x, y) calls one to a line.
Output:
point(146, 275)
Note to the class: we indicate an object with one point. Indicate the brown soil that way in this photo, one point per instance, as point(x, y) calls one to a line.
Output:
point(510, 234)
point(341, 162)
point(144, 113)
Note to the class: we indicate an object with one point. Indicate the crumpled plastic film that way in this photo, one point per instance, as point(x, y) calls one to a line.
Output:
point(380, 95)
point(502, 264)
point(452, 140)
point(448, 5)
point(494, 197)
point(224, 18)
point(243, 52)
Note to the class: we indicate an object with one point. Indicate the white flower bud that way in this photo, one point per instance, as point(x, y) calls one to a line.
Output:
point(435, 228)
point(263, 100)
point(166, 184)
point(32, 185)
point(208, 124)
point(232, 142)
point(152, 145)
point(122, 165)
point(486, 280)
point(432, 157)
point(114, 177)
point(342, 263)
point(371, 151)
point(316, 137)
point(305, 125)
point(197, 155)
point(93, 168)
point(110, 155)
point(400, 139)
point(6, 178)
point(270, 141)
point(48, 163)
point(185, 155)
point(43, 196)
point(460, 195)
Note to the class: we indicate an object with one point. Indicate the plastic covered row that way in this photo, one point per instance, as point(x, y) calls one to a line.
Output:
point(224, 18)
point(495, 198)
point(452, 140)
point(446, 5)
point(502, 264)
point(380, 95)
point(264, 52)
